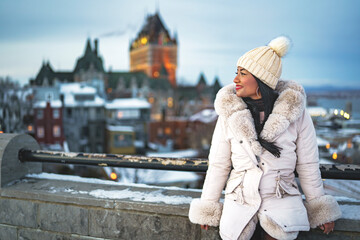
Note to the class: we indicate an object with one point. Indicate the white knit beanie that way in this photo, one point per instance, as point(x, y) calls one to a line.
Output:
point(265, 62)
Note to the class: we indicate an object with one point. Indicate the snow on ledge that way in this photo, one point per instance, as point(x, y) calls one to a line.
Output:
point(53, 176)
point(156, 196)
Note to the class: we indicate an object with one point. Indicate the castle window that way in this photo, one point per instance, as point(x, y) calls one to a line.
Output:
point(40, 114)
point(56, 131)
point(56, 113)
point(168, 131)
point(40, 132)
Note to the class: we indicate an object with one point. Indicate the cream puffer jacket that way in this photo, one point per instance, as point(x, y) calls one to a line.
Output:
point(261, 186)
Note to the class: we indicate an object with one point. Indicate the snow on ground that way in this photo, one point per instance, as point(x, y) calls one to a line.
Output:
point(345, 188)
point(149, 176)
point(53, 176)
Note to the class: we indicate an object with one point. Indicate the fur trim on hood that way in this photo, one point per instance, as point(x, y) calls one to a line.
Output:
point(287, 109)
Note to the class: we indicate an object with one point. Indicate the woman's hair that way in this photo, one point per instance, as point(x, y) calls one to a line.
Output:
point(268, 97)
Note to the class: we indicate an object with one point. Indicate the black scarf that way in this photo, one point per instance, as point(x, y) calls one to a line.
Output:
point(255, 107)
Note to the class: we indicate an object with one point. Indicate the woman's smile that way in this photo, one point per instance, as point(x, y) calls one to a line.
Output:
point(238, 87)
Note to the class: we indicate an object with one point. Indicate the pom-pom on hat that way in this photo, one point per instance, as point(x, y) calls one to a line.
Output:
point(265, 62)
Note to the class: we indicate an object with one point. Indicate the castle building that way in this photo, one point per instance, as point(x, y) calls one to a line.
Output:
point(152, 77)
point(88, 68)
point(154, 51)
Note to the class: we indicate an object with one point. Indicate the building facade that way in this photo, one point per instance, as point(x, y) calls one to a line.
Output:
point(132, 114)
point(83, 117)
point(154, 51)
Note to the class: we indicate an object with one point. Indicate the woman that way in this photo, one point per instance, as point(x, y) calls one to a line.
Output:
point(264, 133)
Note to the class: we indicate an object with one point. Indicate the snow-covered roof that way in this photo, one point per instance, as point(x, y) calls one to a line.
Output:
point(128, 103)
point(120, 128)
point(53, 104)
point(205, 116)
point(70, 90)
point(70, 101)
point(76, 88)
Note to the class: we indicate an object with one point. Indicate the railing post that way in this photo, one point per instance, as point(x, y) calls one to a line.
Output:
point(11, 168)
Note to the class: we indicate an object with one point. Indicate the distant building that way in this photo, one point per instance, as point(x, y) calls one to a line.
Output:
point(192, 99)
point(152, 77)
point(84, 117)
point(88, 68)
point(120, 140)
point(154, 51)
point(132, 113)
point(202, 125)
point(48, 120)
point(174, 129)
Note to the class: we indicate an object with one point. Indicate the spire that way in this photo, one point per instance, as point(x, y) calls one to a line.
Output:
point(216, 87)
point(88, 46)
point(217, 82)
point(96, 41)
point(202, 80)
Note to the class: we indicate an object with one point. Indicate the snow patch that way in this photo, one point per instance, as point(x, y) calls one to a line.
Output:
point(53, 176)
point(350, 212)
point(156, 196)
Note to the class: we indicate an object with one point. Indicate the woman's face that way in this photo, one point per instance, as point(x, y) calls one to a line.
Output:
point(246, 84)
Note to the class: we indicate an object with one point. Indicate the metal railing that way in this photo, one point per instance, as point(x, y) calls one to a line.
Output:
point(328, 171)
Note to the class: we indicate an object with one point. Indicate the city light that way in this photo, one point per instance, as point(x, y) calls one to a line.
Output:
point(336, 112)
point(334, 155)
point(170, 102)
point(327, 146)
point(30, 128)
point(143, 40)
point(342, 112)
point(113, 176)
point(167, 131)
point(156, 74)
point(346, 115)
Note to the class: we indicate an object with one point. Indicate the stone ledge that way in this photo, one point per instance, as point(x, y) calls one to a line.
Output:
point(76, 195)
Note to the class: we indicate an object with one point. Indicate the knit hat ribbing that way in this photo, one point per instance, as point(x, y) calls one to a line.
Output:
point(265, 62)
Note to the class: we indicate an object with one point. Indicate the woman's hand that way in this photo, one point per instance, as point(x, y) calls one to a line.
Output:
point(327, 227)
point(205, 227)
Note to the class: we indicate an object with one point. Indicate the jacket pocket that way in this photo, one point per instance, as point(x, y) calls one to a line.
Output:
point(234, 186)
point(285, 187)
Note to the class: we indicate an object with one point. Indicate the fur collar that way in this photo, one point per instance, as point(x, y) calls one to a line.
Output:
point(287, 109)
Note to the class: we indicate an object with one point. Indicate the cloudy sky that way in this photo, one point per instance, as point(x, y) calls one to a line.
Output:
point(212, 35)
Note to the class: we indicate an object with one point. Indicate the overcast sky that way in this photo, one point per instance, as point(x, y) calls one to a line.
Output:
point(212, 35)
